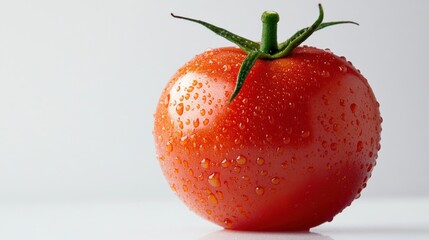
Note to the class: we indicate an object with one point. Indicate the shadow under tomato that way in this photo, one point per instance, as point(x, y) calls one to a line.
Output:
point(244, 235)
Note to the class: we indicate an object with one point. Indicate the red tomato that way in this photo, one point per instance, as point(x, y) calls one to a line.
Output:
point(294, 148)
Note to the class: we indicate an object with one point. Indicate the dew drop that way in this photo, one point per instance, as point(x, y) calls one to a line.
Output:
point(173, 187)
point(359, 146)
point(310, 169)
point(286, 140)
point(325, 74)
point(190, 89)
point(260, 161)
point(196, 122)
point(305, 134)
point(205, 122)
point(334, 146)
point(260, 190)
point(245, 197)
point(212, 198)
point(169, 147)
point(285, 165)
point(237, 169)
point(353, 107)
point(275, 180)
point(185, 164)
point(179, 109)
point(205, 163)
point(214, 179)
point(336, 127)
point(219, 195)
point(263, 173)
point(369, 168)
point(241, 159)
point(185, 188)
point(225, 163)
point(227, 222)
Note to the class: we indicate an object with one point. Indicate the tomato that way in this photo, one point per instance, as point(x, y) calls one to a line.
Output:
point(294, 148)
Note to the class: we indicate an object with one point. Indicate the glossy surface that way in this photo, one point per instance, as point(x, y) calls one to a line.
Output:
point(133, 219)
point(294, 148)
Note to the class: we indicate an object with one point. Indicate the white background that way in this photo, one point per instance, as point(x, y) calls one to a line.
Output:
point(80, 80)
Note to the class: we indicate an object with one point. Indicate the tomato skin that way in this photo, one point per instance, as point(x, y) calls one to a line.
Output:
point(293, 149)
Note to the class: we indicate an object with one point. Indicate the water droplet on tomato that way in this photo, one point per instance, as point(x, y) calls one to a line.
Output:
point(237, 169)
point(325, 74)
point(241, 159)
point(260, 190)
point(359, 146)
point(245, 178)
point(342, 102)
point(169, 146)
point(275, 180)
point(245, 197)
point(305, 134)
point(336, 127)
point(214, 179)
point(369, 168)
point(196, 122)
point(167, 100)
point(196, 95)
point(185, 164)
point(334, 146)
point(285, 164)
point(310, 169)
point(206, 121)
point(260, 161)
point(205, 163)
point(353, 107)
point(179, 109)
point(226, 67)
point(358, 196)
point(286, 140)
point(227, 222)
point(343, 69)
point(225, 163)
point(212, 198)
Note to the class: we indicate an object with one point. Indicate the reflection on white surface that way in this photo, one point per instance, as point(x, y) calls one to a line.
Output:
point(238, 235)
point(384, 219)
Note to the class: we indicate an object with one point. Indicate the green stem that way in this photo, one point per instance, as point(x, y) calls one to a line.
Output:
point(269, 32)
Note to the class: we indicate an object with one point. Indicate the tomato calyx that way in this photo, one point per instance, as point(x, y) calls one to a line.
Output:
point(268, 48)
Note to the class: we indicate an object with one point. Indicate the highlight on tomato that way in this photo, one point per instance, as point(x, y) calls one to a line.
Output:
point(268, 136)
